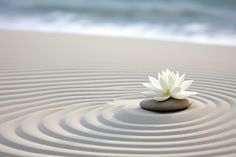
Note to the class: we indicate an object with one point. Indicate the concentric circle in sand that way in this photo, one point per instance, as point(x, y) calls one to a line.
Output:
point(65, 112)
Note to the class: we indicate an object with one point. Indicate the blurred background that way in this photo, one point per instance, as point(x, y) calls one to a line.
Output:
point(204, 21)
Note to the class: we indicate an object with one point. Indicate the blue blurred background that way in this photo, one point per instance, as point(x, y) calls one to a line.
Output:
point(205, 21)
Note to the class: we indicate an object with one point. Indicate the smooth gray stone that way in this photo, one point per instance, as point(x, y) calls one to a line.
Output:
point(165, 106)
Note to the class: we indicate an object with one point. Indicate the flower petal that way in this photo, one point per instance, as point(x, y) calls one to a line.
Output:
point(185, 85)
point(189, 93)
point(175, 90)
point(181, 79)
point(159, 76)
point(161, 98)
point(183, 94)
point(179, 96)
point(164, 75)
point(148, 85)
point(168, 71)
point(154, 82)
point(177, 76)
point(171, 81)
point(152, 88)
point(163, 84)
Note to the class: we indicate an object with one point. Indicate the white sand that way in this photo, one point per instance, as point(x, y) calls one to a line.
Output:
point(30, 48)
point(67, 95)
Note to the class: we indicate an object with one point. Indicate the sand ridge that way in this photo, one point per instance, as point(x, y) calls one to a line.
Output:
point(96, 113)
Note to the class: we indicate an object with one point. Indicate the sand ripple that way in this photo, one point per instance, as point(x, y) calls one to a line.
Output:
point(76, 112)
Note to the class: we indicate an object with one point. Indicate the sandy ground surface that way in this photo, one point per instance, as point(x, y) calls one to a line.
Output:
point(75, 95)
point(44, 49)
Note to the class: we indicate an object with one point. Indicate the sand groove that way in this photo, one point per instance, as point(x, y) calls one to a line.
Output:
point(85, 112)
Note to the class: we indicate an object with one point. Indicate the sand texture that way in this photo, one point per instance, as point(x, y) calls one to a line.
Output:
point(78, 96)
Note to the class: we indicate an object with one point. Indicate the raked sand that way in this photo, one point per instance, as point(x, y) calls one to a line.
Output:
point(78, 96)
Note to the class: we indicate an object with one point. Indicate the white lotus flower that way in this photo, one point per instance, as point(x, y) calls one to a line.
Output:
point(169, 84)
